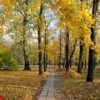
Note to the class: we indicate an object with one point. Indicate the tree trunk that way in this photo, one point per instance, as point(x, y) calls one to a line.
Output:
point(85, 64)
point(26, 60)
point(72, 54)
point(95, 58)
point(54, 61)
point(90, 65)
point(80, 52)
point(92, 51)
point(40, 52)
point(46, 59)
point(85, 61)
point(67, 52)
point(60, 49)
point(39, 41)
point(80, 59)
point(45, 52)
point(70, 63)
point(64, 62)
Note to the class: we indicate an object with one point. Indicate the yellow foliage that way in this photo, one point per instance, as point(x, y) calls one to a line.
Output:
point(1, 31)
point(76, 17)
point(2, 47)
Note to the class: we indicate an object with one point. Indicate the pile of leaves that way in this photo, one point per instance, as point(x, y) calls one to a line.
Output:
point(72, 74)
point(68, 74)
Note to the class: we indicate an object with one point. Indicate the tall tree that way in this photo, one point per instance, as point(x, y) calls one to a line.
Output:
point(46, 43)
point(26, 60)
point(81, 47)
point(80, 56)
point(45, 49)
point(39, 39)
point(72, 53)
point(19, 6)
point(91, 62)
point(67, 52)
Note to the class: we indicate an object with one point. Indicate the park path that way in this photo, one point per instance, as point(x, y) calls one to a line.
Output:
point(53, 88)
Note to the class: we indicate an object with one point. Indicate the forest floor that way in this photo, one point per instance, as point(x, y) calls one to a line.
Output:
point(76, 88)
point(21, 85)
point(27, 85)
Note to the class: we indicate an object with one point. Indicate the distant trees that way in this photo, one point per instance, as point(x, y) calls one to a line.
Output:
point(75, 30)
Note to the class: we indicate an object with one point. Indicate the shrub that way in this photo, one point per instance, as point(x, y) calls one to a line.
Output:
point(7, 62)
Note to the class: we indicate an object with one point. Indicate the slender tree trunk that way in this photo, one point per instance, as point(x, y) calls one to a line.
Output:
point(40, 52)
point(80, 58)
point(82, 65)
point(46, 43)
point(80, 52)
point(45, 52)
point(54, 61)
point(92, 51)
point(85, 61)
point(46, 59)
point(95, 59)
point(60, 50)
point(70, 63)
point(63, 62)
point(67, 52)
point(39, 41)
point(73, 51)
point(85, 64)
point(26, 60)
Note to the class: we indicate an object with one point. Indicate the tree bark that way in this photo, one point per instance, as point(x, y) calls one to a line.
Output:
point(45, 52)
point(67, 52)
point(92, 51)
point(85, 61)
point(26, 60)
point(60, 50)
point(80, 58)
point(80, 53)
point(73, 51)
point(40, 52)
point(39, 41)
